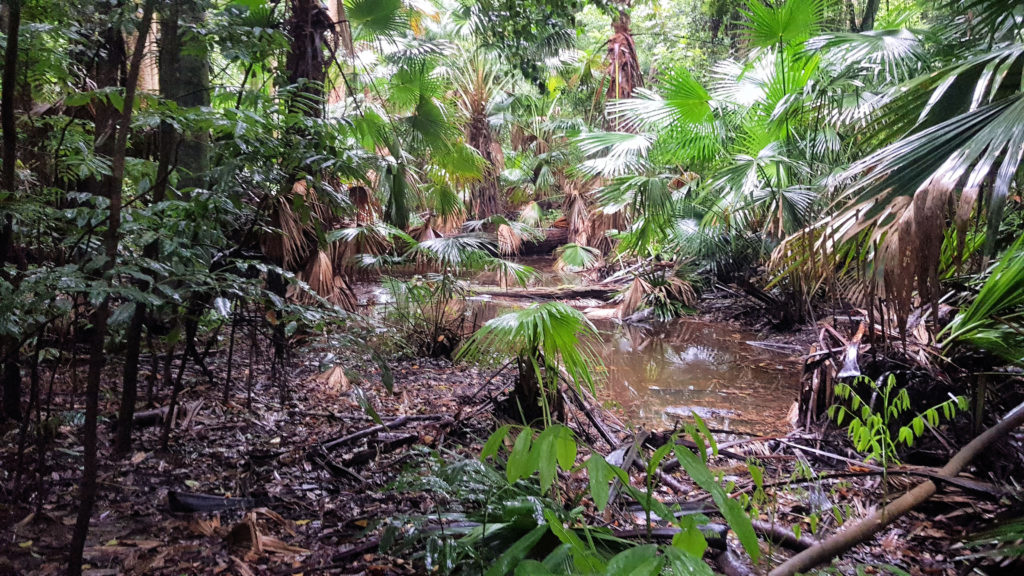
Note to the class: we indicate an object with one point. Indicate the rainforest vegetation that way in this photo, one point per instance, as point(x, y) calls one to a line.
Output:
point(396, 286)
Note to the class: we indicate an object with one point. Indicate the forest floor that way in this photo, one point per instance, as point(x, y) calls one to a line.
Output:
point(306, 486)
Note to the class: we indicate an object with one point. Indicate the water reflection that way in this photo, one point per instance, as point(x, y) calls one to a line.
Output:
point(658, 375)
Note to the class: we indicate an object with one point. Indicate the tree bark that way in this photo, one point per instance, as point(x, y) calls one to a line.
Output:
point(11, 366)
point(867, 23)
point(866, 528)
point(90, 441)
point(185, 80)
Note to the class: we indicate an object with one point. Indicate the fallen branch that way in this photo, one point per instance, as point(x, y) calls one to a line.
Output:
point(596, 291)
point(866, 528)
point(588, 410)
point(380, 428)
point(782, 535)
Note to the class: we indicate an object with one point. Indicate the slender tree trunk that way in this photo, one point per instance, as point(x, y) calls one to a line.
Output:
point(9, 346)
point(88, 487)
point(130, 381)
point(867, 23)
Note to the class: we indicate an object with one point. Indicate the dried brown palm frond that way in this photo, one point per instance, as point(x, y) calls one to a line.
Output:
point(601, 223)
point(577, 215)
point(633, 297)
point(285, 244)
point(366, 204)
point(319, 275)
point(509, 242)
point(343, 295)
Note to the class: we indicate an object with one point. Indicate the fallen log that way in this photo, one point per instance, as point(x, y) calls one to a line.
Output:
point(383, 446)
point(380, 428)
point(595, 291)
point(866, 528)
point(553, 238)
point(782, 535)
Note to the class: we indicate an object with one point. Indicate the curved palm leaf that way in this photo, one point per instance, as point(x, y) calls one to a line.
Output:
point(559, 334)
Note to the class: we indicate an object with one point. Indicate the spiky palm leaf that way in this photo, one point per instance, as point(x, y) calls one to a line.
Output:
point(995, 319)
point(549, 334)
point(576, 258)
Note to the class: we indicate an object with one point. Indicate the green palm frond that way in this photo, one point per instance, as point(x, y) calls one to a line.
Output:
point(614, 153)
point(576, 258)
point(560, 335)
point(994, 19)
point(531, 214)
point(454, 252)
point(995, 319)
point(887, 55)
point(785, 22)
point(376, 19)
point(962, 151)
point(680, 98)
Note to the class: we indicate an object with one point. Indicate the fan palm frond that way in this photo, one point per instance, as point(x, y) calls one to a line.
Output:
point(576, 258)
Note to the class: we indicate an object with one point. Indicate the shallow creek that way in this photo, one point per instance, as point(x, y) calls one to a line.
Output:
point(657, 374)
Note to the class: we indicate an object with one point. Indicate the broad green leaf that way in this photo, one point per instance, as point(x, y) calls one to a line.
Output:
point(684, 564)
point(532, 568)
point(730, 509)
point(519, 460)
point(690, 539)
point(516, 552)
point(565, 448)
point(494, 442)
point(600, 476)
point(636, 561)
point(544, 450)
point(584, 558)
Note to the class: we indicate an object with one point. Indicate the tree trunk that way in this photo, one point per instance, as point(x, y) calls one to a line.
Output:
point(867, 23)
point(88, 487)
point(185, 80)
point(8, 345)
point(623, 63)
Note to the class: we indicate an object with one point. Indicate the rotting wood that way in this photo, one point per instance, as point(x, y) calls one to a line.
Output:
point(386, 445)
point(733, 565)
point(866, 528)
point(714, 534)
point(623, 456)
point(782, 535)
point(584, 407)
point(596, 291)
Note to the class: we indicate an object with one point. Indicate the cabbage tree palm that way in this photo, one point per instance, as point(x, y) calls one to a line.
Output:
point(543, 339)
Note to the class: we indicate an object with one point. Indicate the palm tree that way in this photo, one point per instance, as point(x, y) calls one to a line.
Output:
point(543, 339)
point(948, 137)
point(479, 92)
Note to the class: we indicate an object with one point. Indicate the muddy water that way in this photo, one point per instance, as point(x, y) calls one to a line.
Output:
point(658, 376)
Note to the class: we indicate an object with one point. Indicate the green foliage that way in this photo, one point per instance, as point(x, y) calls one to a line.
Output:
point(994, 321)
point(871, 429)
point(544, 337)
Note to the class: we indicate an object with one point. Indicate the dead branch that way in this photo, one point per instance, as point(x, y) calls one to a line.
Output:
point(380, 428)
point(866, 528)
